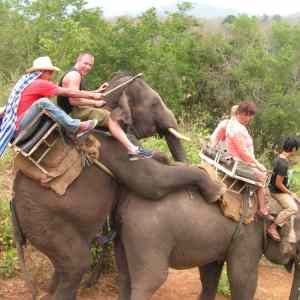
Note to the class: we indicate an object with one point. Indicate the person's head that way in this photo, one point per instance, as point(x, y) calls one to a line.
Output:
point(84, 63)
point(44, 65)
point(245, 112)
point(290, 145)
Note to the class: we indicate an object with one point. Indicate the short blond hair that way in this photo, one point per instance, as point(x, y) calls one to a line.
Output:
point(233, 110)
point(81, 55)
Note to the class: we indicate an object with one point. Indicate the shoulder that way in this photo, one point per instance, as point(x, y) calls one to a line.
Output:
point(71, 77)
point(223, 123)
point(40, 83)
point(280, 163)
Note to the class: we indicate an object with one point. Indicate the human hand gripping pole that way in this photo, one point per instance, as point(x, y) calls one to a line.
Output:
point(100, 102)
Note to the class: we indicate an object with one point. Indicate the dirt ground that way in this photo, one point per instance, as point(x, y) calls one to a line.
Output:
point(274, 284)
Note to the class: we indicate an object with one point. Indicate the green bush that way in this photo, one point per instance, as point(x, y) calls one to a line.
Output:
point(8, 263)
point(8, 255)
point(198, 71)
point(295, 179)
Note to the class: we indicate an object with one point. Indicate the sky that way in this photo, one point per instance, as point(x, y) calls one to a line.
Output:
point(257, 7)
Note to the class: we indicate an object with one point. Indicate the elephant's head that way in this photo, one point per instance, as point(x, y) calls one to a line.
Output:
point(143, 111)
point(288, 255)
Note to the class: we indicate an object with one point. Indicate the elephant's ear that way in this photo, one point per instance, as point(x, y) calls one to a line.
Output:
point(122, 112)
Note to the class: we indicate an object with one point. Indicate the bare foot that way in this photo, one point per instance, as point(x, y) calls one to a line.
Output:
point(273, 233)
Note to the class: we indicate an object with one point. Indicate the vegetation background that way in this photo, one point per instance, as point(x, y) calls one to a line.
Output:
point(200, 70)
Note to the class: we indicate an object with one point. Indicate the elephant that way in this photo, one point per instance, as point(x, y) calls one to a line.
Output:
point(142, 110)
point(183, 231)
point(58, 224)
point(63, 227)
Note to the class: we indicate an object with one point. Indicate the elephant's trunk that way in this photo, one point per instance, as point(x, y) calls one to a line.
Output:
point(175, 147)
point(295, 294)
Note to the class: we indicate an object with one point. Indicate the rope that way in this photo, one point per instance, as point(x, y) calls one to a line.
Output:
point(103, 167)
point(237, 230)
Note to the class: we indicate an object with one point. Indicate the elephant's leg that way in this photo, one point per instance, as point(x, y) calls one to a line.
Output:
point(242, 265)
point(180, 176)
point(148, 268)
point(70, 277)
point(243, 282)
point(210, 276)
point(69, 266)
point(147, 280)
point(124, 277)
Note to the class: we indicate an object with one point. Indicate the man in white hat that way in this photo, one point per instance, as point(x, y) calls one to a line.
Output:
point(29, 97)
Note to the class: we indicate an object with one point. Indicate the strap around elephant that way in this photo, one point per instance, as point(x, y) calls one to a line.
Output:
point(237, 229)
point(103, 167)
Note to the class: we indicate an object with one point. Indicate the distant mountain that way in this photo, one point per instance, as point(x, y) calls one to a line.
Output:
point(204, 11)
point(294, 16)
point(199, 10)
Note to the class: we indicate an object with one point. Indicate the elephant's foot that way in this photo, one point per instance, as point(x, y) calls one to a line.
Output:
point(214, 192)
point(209, 188)
point(161, 157)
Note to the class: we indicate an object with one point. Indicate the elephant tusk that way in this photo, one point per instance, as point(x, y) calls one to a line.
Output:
point(178, 135)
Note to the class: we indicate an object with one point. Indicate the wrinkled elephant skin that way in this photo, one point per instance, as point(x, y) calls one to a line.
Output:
point(183, 231)
point(63, 227)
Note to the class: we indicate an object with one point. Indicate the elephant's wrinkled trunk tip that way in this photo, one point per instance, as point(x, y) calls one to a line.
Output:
point(178, 135)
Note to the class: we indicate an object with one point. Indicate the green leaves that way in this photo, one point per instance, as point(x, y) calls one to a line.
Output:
point(195, 66)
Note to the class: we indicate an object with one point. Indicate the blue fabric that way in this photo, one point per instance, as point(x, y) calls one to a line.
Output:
point(8, 124)
point(71, 125)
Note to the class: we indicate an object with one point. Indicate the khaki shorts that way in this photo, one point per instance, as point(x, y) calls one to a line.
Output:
point(285, 200)
point(250, 172)
point(85, 113)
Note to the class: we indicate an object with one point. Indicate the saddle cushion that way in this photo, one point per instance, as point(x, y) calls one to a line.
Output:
point(231, 204)
point(64, 164)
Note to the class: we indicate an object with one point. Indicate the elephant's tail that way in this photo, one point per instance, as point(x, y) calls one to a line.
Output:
point(20, 241)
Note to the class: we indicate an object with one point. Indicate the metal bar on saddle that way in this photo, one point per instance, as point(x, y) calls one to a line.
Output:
point(37, 139)
point(215, 158)
point(227, 171)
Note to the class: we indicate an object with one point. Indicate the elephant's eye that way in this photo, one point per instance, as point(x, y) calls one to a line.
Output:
point(154, 103)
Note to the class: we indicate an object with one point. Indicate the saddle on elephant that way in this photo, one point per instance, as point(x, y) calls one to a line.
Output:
point(239, 202)
point(44, 154)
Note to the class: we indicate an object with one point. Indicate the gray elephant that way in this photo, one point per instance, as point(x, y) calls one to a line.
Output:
point(63, 227)
point(183, 231)
point(144, 113)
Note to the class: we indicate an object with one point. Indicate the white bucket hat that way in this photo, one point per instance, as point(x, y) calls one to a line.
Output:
point(42, 63)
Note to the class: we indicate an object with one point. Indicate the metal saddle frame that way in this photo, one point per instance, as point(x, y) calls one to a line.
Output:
point(40, 134)
point(229, 172)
